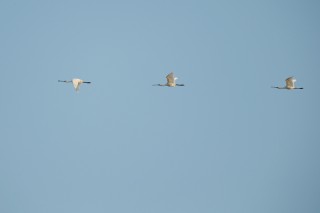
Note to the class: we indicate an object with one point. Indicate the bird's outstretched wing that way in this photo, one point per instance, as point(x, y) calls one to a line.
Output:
point(170, 78)
point(76, 84)
point(290, 82)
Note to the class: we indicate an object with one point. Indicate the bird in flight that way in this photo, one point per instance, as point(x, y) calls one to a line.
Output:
point(289, 84)
point(171, 81)
point(76, 83)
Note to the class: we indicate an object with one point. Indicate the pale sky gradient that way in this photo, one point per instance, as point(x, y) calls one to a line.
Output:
point(226, 142)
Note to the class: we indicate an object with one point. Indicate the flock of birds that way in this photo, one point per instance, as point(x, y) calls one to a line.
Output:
point(171, 82)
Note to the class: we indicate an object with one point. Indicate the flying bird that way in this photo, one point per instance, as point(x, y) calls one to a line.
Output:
point(289, 84)
point(171, 81)
point(76, 83)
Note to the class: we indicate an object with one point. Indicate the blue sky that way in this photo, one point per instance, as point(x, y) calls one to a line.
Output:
point(226, 142)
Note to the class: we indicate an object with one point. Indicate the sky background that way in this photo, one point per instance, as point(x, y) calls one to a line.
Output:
point(226, 142)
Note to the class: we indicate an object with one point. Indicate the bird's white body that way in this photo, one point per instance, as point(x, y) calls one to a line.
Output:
point(290, 84)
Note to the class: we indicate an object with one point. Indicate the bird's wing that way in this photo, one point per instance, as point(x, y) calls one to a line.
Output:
point(76, 83)
point(170, 78)
point(290, 82)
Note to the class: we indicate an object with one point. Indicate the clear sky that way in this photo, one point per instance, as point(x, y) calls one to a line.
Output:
point(226, 142)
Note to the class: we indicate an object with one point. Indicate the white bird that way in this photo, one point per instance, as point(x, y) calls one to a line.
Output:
point(171, 81)
point(76, 83)
point(289, 84)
